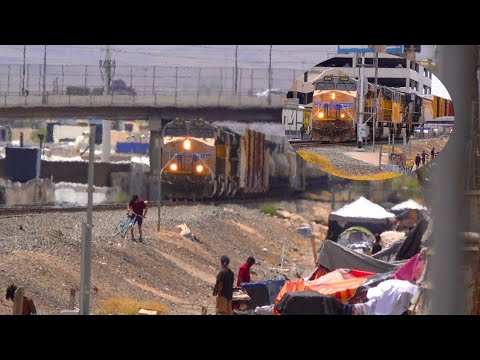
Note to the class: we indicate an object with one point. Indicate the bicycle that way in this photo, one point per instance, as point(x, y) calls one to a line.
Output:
point(123, 227)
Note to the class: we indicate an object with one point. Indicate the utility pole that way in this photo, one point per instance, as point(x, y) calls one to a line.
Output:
point(270, 77)
point(108, 74)
point(23, 72)
point(375, 99)
point(87, 233)
point(44, 93)
point(236, 68)
point(361, 109)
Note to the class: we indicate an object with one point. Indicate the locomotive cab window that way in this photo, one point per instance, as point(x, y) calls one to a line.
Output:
point(346, 86)
point(175, 132)
point(325, 86)
point(201, 133)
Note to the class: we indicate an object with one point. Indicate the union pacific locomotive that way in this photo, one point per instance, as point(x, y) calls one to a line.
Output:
point(333, 111)
point(200, 160)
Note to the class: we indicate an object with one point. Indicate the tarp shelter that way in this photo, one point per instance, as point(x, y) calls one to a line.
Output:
point(358, 239)
point(345, 285)
point(407, 205)
point(333, 256)
point(408, 213)
point(311, 303)
point(361, 212)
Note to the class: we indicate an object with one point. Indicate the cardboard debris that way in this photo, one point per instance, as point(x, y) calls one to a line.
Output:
point(147, 312)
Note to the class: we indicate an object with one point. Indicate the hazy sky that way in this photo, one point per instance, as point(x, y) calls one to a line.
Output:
point(300, 57)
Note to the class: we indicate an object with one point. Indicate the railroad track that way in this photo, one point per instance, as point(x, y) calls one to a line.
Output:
point(21, 210)
point(308, 144)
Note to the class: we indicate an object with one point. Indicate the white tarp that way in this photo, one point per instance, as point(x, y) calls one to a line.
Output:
point(391, 297)
point(362, 208)
point(408, 205)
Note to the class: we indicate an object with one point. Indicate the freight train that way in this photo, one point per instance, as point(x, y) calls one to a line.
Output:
point(332, 114)
point(200, 160)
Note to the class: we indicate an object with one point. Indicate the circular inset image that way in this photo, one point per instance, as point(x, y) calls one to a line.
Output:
point(364, 117)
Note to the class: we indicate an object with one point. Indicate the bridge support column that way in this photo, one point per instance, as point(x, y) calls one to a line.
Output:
point(106, 142)
point(155, 126)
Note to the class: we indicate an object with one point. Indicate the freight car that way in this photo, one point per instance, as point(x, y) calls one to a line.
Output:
point(200, 160)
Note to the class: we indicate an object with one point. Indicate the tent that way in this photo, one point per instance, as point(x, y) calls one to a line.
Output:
point(333, 256)
point(407, 205)
point(345, 285)
point(358, 239)
point(361, 212)
point(311, 303)
point(408, 213)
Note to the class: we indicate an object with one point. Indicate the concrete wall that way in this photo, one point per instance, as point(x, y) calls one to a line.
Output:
point(39, 191)
point(77, 171)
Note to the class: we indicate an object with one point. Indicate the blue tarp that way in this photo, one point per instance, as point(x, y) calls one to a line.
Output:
point(22, 163)
point(132, 148)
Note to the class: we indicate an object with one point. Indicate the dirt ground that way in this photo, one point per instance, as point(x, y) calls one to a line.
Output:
point(42, 252)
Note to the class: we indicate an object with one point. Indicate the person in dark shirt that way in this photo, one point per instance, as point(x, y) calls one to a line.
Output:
point(417, 161)
point(135, 207)
point(432, 154)
point(377, 247)
point(302, 131)
point(244, 272)
point(424, 157)
point(28, 307)
point(224, 288)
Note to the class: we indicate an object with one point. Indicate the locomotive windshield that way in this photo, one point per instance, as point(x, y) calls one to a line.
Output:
point(175, 131)
point(325, 86)
point(201, 133)
point(346, 86)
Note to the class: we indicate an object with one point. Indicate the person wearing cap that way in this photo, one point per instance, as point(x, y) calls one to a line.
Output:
point(244, 272)
point(223, 289)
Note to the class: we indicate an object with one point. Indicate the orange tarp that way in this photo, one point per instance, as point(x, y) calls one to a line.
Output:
point(341, 283)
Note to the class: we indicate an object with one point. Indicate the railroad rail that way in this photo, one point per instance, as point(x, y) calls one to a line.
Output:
point(21, 210)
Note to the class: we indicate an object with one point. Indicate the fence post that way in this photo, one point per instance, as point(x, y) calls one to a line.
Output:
point(131, 76)
point(251, 83)
point(63, 90)
point(85, 77)
point(176, 82)
point(198, 83)
point(8, 80)
point(153, 84)
point(28, 74)
point(221, 86)
point(239, 90)
point(18, 301)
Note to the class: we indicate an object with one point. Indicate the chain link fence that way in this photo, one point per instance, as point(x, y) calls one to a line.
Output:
point(30, 80)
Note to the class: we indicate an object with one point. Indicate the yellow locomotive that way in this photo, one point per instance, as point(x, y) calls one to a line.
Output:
point(335, 101)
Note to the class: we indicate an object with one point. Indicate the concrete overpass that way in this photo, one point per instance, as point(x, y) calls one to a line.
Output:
point(148, 107)
point(34, 91)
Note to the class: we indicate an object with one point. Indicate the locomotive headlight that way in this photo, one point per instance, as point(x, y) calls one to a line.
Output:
point(321, 115)
point(342, 116)
point(187, 144)
point(199, 168)
point(333, 96)
point(173, 167)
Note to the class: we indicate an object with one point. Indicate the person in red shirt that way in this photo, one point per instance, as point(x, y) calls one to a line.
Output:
point(244, 272)
point(136, 206)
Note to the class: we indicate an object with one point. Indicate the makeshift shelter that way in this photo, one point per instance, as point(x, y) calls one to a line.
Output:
point(311, 303)
point(413, 243)
point(361, 212)
point(358, 239)
point(333, 256)
point(408, 213)
point(345, 285)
